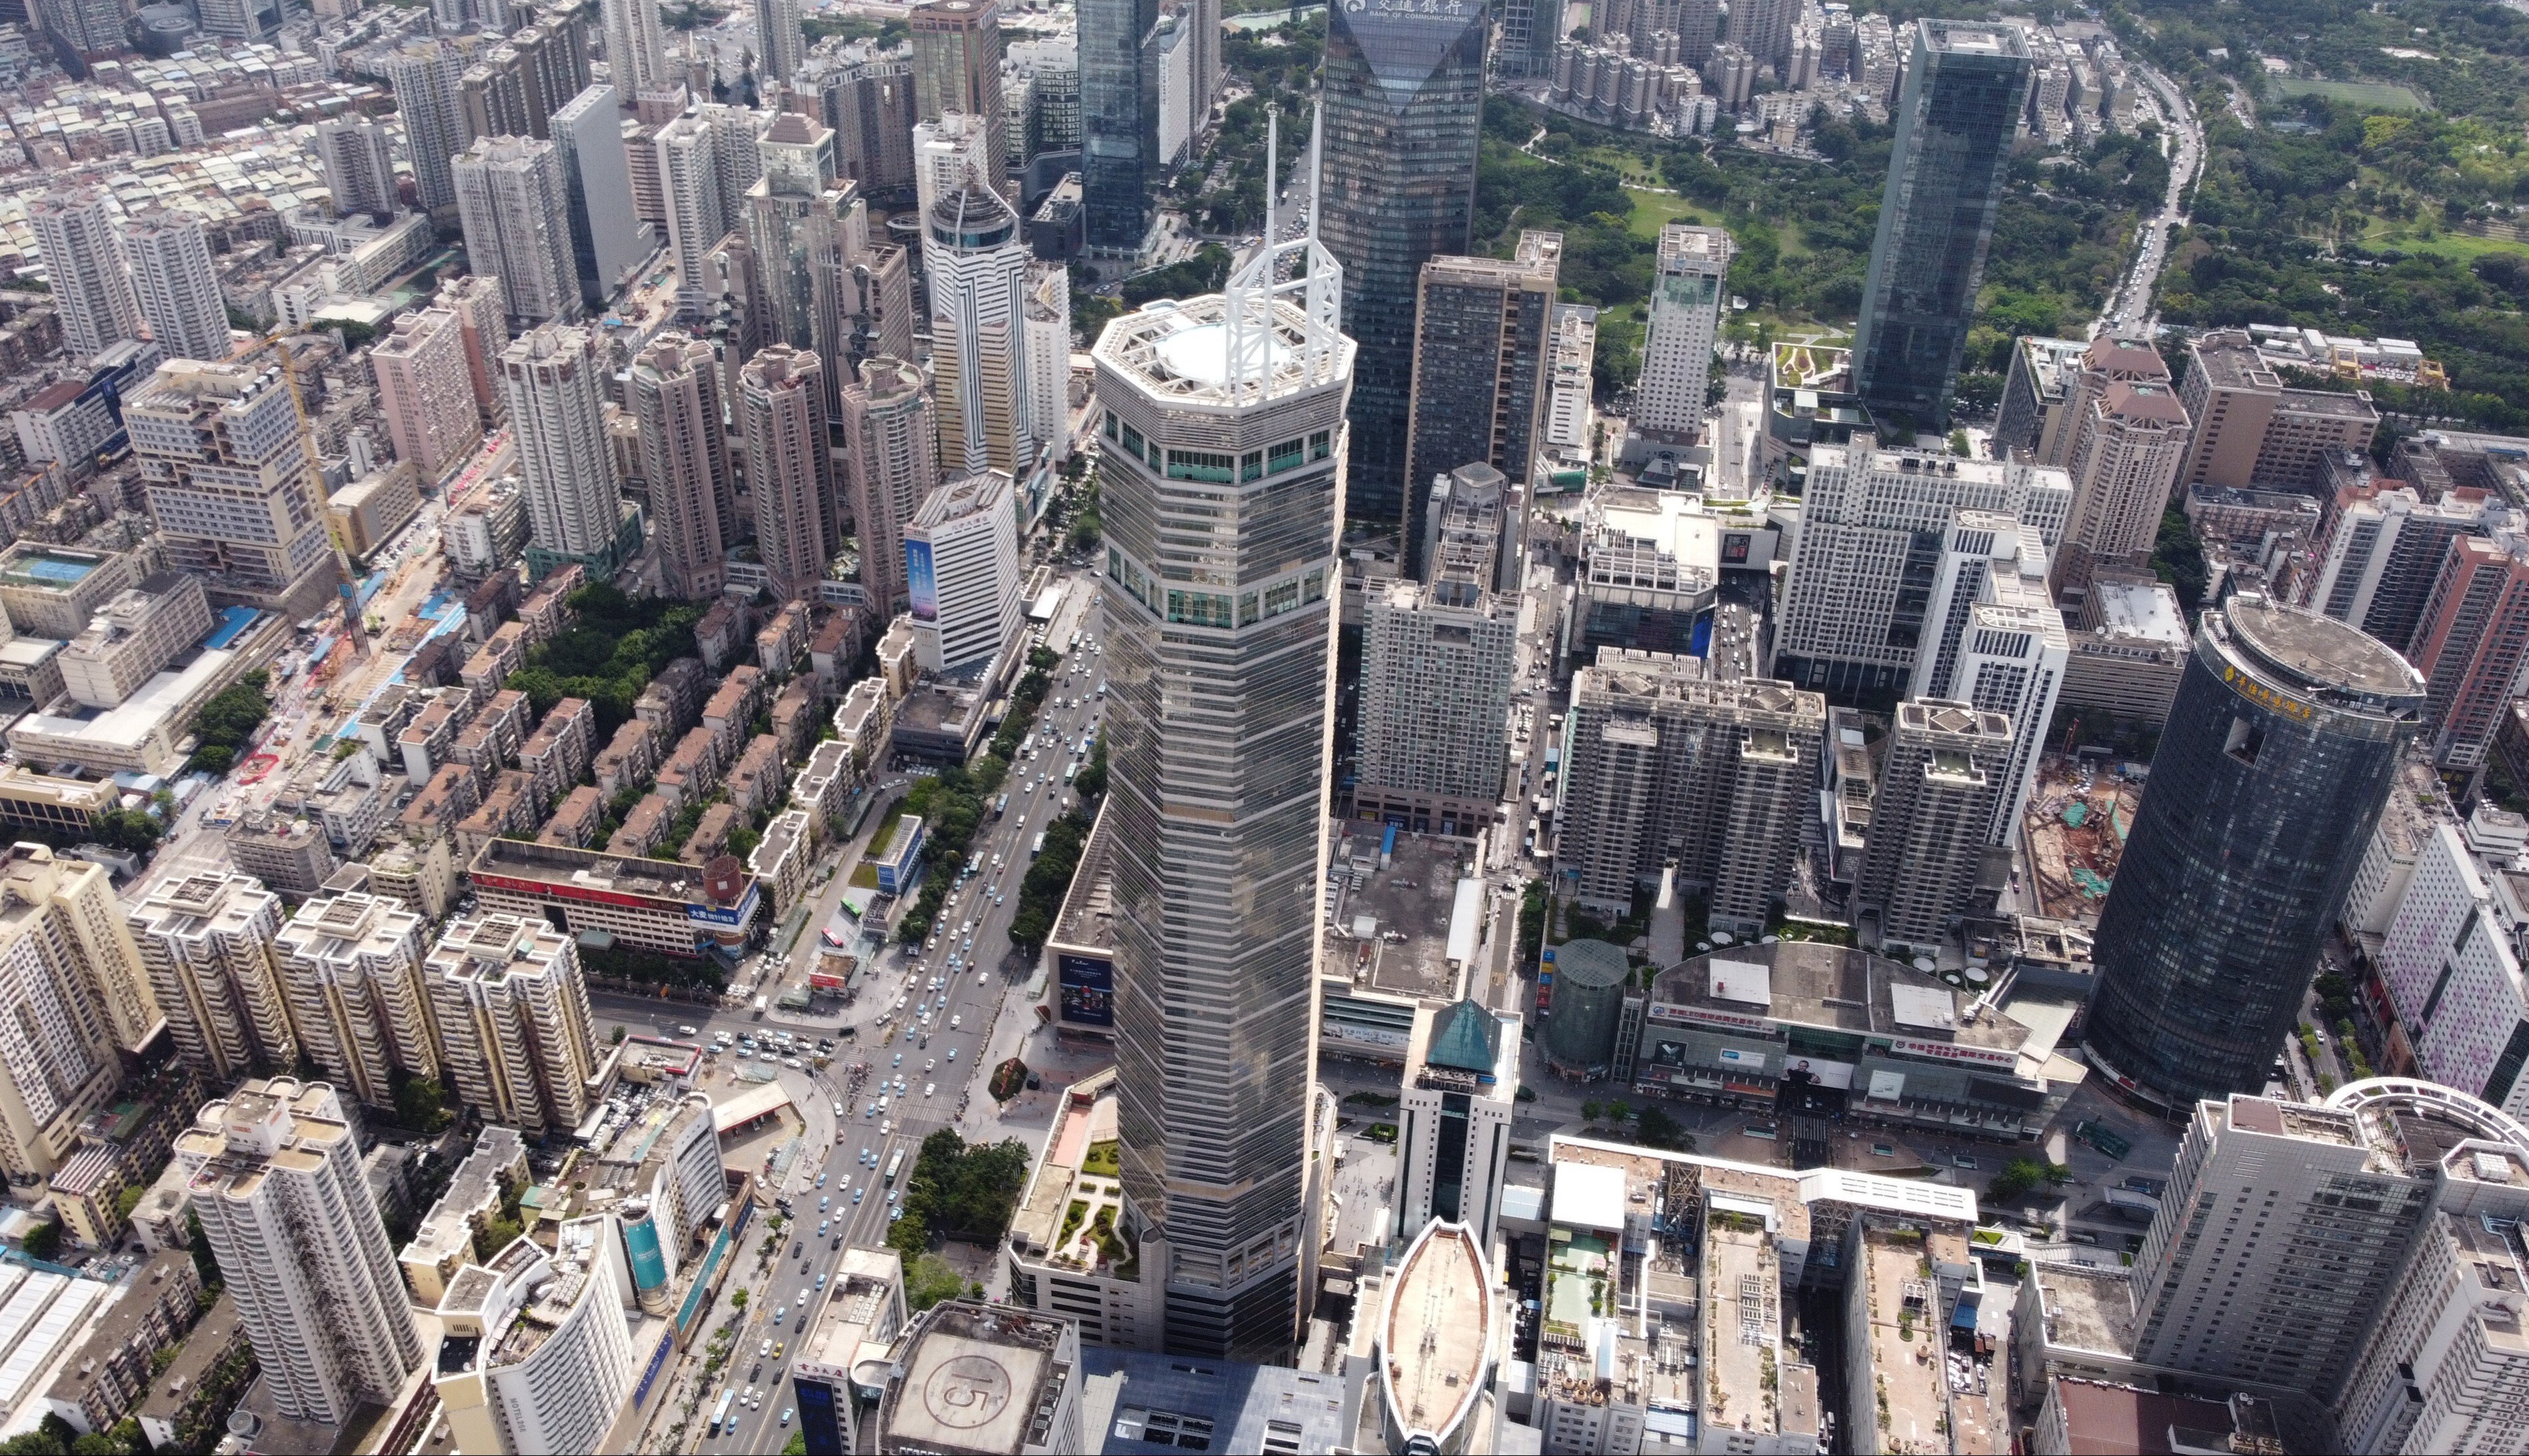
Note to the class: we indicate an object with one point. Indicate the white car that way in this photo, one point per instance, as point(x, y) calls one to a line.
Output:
point(930, 1089)
point(957, 1021)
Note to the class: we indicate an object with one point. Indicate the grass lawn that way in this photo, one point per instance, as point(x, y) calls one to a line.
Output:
point(2462, 247)
point(1655, 210)
point(864, 876)
point(2380, 96)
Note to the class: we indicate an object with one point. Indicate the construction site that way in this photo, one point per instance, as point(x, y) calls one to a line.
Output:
point(2075, 833)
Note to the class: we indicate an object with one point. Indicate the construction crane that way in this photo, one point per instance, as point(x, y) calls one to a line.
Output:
point(347, 580)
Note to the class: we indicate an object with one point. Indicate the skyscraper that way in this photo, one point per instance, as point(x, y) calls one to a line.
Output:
point(515, 206)
point(1482, 335)
point(424, 392)
point(795, 218)
point(276, 1179)
point(1691, 272)
point(537, 1355)
point(597, 177)
point(75, 230)
point(1668, 766)
point(957, 68)
point(1404, 90)
point(961, 553)
point(1048, 351)
point(72, 985)
point(1119, 122)
point(172, 279)
point(870, 106)
point(1955, 122)
point(2279, 753)
point(485, 329)
point(1865, 556)
point(1939, 783)
point(358, 166)
point(2472, 644)
point(425, 76)
point(673, 390)
point(706, 163)
point(513, 1015)
point(2286, 1241)
point(352, 968)
point(1994, 640)
point(1436, 661)
point(781, 413)
point(785, 43)
point(977, 263)
point(637, 47)
point(1227, 411)
point(555, 380)
point(2383, 550)
point(2122, 444)
point(208, 942)
point(889, 431)
point(230, 470)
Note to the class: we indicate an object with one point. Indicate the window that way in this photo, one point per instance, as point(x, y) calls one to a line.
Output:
point(1199, 466)
point(1288, 454)
point(1251, 466)
point(2247, 736)
point(1110, 424)
point(1133, 442)
point(1321, 445)
point(1199, 608)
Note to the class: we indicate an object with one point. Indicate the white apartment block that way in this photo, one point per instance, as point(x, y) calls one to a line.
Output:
point(230, 469)
point(1689, 281)
point(515, 207)
point(549, 1367)
point(1458, 1100)
point(1049, 357)
point(2450, 957)
point(207, 943)
point(1871, 521)
point(962, 558)
point(1436, 667)
point(172, 280)
point(276, 1178)
point(513, 1023)
point(70, 989)
point(1993, 638)
point(706, 160)
point(554, 378)
point(352, 968)
point(83, 265)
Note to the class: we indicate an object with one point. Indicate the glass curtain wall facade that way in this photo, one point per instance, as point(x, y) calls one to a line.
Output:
point(1403, 87)
point(1223, 490)
point(2279, 751)
point(1955, 118)
point(1119, 110)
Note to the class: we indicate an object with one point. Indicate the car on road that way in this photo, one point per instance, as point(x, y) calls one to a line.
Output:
point(821, 1225)
point(953, 1050)
point(930, 1089)
point(821, 1180)
point(856, 1195)
point(687, 1031)
point(957, 1021)
point(786, 1415)
point(764, 1350)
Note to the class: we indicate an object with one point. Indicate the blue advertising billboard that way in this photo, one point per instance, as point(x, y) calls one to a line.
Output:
point(922, 581)
point(1088, 989)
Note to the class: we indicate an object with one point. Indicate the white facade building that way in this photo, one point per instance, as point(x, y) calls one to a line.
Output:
point(1049, 358)
point(74, 231)
point(352, 968)
point(962, 558)
point(976, 258)
point(172, 279)
point(546, 1363)
point(1871, 520)
point(2450, 957)
point(554, 378)
point(516, 205)
point(513, 1022)
point(1690, 278)
point(1993, 638)
point(276, 1178)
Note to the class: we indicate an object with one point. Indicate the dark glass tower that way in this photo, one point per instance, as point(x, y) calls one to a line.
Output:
point(1404, 98)
point(1955, 120)
point(1119, 120)
point(2280, 748)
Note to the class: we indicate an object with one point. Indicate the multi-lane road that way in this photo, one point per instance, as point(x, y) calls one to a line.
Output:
point(942, 1060)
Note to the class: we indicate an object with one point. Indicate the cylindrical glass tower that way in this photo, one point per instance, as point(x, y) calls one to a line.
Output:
point(2280, 748)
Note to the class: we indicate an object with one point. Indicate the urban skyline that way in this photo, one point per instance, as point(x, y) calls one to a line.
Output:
point(1435, 822)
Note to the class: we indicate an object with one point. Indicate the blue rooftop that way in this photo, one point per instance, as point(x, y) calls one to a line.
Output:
point(231, 625)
